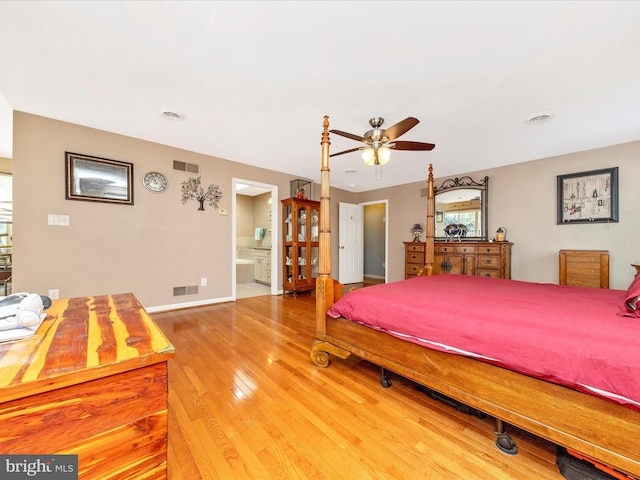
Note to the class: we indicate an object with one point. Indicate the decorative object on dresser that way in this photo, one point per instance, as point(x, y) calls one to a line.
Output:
point(501, 234)
point(192, 190)
point(588, 197)
point(300, 237)
point(417, 232)
point(584, 268)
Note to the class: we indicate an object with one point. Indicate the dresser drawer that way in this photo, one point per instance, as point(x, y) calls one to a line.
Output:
point(413, 268)
point(445, 248)
point(415, 248)
point(489, 249)
point(414, 257)
point(481, 272)
point(488, 261)
point(465, 249)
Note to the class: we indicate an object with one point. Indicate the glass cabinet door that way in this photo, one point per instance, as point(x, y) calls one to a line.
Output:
point(301, 232)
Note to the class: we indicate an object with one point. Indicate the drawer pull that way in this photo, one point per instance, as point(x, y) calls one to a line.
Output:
point(446, 266)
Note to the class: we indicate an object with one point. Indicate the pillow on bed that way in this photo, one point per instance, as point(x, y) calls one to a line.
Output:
point(632, 300)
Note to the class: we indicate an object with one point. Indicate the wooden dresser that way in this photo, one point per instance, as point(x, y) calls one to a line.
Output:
point(92, 382)
point(486, 259)
point(413, 258)
point(584, 268)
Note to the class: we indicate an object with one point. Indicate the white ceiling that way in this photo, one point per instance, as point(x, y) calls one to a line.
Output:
point(254, 79)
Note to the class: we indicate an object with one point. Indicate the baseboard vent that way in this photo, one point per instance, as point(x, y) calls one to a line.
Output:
point(186, 167)
point(188, 290)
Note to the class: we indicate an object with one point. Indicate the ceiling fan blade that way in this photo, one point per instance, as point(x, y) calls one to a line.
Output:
point(394, 131)
point(348, 135)
point(400, 145)
point(347, 151)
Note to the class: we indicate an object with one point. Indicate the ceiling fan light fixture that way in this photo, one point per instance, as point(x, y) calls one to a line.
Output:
point(368, 156)
point(384, 155)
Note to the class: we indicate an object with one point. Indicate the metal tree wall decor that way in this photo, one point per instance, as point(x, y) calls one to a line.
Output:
point(192, 190)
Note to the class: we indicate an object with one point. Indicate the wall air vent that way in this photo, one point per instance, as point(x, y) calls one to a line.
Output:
point(188, 290)
point(186, 167)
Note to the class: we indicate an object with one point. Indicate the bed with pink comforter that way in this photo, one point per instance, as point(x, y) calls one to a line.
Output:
point(583, 338)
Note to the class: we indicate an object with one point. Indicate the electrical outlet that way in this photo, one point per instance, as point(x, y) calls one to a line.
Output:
point(203, 282)
point(54, 294)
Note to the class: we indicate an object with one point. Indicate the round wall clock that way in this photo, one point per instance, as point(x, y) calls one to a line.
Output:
point(155, 182)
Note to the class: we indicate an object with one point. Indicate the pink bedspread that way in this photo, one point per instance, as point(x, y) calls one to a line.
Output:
point(573, 336)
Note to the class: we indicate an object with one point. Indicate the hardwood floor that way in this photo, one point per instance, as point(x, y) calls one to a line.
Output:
point(245, 402)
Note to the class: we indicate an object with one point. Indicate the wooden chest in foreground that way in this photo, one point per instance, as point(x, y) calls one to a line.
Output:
point(91, 382)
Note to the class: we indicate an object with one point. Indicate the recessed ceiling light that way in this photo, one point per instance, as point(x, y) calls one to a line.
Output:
point(171, 115)
point(540, 117)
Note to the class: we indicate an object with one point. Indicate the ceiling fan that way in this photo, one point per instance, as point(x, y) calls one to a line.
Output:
point(378, 143)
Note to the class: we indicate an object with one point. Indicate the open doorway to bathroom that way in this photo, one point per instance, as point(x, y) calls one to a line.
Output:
point(254, 238)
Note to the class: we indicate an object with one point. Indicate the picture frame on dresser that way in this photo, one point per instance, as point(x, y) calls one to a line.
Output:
point(588, 197)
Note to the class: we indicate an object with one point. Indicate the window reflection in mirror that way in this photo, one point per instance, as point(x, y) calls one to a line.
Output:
point(461, 209)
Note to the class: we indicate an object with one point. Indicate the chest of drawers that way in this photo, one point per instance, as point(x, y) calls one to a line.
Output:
point(584, 268)
point(485, 259)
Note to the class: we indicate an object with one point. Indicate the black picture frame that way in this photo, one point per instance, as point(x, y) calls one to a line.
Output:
point(588, 197)
point(96, 179)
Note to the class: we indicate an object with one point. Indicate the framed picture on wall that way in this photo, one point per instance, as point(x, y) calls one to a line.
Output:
point(588, 197)
point(98, 179)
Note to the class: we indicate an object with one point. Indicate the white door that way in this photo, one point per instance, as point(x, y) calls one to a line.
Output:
point(350, 244)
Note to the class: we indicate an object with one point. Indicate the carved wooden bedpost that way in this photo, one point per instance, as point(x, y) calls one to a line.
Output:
point(430, 226)
point(328, 290)
point(324, 282)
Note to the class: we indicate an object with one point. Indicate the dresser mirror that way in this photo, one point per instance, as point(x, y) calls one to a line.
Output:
point(461, 209)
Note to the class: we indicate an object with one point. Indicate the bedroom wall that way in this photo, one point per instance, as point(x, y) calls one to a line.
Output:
point(147, 248)
point(159, 243)
point(522, 198)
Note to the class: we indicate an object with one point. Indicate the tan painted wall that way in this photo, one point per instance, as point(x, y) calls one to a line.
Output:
point(159, 243)
point(522, 198)
point(147, 248)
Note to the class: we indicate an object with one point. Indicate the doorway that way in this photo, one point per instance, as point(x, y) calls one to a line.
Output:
point(363, 240)
point(375, 242)
point(254, 243)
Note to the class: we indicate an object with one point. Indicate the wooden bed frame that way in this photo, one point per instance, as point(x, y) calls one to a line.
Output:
point(597, 428)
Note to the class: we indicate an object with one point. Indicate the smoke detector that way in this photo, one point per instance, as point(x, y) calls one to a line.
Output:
point(539, 117)
point(171, 115)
